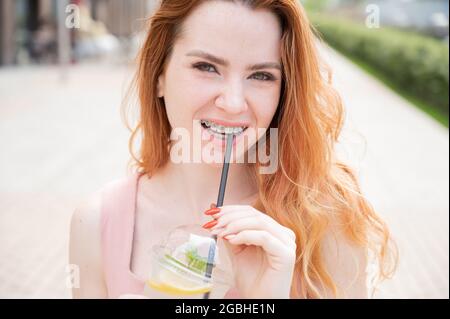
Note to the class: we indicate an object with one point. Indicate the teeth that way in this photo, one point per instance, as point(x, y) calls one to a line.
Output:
point(216, 128)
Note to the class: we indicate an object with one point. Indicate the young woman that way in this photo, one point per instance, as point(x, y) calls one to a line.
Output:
point(302, 230)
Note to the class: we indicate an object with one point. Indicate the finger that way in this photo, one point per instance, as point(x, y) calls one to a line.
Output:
point(234, 249)
point(233, 207)
point(254, 223)
point(224, 220)
point(225, 210)
point(232, 213)
point(227, 215)
point(270, 244)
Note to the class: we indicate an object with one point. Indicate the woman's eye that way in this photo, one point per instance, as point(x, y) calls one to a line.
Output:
point(262, 76)
point(206, 67)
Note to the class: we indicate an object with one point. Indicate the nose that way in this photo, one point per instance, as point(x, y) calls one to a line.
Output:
point(232, 98)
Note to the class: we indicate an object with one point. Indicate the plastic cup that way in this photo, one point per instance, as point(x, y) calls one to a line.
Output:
point(178, 268)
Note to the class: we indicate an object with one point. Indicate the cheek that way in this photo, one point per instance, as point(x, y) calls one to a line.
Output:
point(184, 97)
point(265, 106)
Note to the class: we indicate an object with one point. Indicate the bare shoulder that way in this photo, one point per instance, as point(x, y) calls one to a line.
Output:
point(85, 248)
point(86, 216)
point(346, 262)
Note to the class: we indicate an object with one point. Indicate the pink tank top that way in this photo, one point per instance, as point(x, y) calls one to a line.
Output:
point(117, 228)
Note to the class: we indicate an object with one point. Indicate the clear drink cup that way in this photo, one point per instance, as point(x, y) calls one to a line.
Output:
point(179, 267)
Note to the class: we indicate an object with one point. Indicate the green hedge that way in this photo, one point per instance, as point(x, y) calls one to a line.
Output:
point(417, 64)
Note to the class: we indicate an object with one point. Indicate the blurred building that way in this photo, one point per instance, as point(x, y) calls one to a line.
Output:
point(29, 28)
point(121, 17)
point(426, 16)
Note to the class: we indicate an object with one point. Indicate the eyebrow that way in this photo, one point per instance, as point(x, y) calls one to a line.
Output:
point(223, 62)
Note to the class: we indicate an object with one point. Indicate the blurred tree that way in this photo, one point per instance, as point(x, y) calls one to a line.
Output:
point(315, 5)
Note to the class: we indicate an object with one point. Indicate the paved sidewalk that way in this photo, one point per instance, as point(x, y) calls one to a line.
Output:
point(402, 159)
point(54, 134)
point(60, 141)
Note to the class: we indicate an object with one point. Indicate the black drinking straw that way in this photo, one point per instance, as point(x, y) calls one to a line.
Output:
point(223, 183)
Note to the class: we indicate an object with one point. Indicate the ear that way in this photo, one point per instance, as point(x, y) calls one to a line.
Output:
point(160, 86)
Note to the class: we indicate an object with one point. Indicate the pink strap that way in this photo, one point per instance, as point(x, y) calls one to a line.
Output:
point(117, 226)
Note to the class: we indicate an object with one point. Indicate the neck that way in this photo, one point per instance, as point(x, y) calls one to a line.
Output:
point(197, 185)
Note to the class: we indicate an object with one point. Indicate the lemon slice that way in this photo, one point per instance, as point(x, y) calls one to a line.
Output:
point(174, 284)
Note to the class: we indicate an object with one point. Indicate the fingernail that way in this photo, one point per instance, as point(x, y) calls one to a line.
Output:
point(231, 236)
point(212, 211)
point(210, 224)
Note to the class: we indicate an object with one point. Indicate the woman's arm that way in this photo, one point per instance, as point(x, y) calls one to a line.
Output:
point(85, 249)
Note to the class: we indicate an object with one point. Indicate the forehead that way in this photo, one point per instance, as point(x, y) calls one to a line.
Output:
point(232, 31)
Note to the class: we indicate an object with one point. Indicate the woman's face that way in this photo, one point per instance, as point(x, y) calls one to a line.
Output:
point(225, 68)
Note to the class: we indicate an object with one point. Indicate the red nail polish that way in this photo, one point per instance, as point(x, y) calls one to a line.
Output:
point(210, 224)
point(212, 211)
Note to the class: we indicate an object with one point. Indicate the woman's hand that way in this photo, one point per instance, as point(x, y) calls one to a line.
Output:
point(263, 252)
